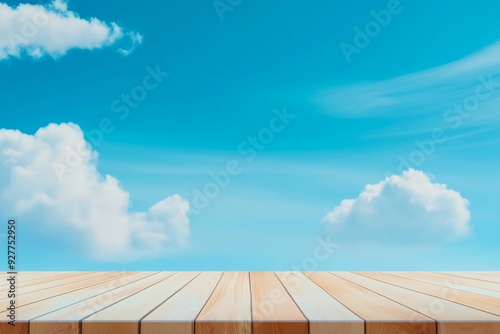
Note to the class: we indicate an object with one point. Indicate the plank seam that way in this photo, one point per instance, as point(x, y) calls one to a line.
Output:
point(433, 319)
point(448, 300)
point(298, 307)
point(358, 315)
point(156, 273)
point(458, 275)
point(31, 282)
point(206, 301)
point(163, 302)
point(62, 285)
point(41, 315)
point(80, 322)
point(364, 287)
point(63, 293)
point(251, 304)
point(443, 284)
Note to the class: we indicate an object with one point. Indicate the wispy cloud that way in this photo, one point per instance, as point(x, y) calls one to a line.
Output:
point(428, 91)
point(51, 179)
point(39, 30)
point(135, 40)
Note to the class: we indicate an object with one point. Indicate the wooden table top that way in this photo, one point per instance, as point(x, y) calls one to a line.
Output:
point(253, 303)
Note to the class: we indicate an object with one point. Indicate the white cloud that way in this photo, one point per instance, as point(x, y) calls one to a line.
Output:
point(37, 30)
point(407, 208)
point(135, 40)
point(50, 179)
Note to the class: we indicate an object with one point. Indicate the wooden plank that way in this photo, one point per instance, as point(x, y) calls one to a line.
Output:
point(490, 273)
point(228, 310)
point(124, 317)
point(27, 276)
point(273, 310)
point(494, 274)
point(182, 303)
point(451, 317)
point(26, 299)
point(51, 303)
point(476, 276)
point(481, 302)
point(470, 285)
point(381, 314)
point(43, 278)
point(325, 314)
point(23, 277)
point(55, 284)
point(178, 313)
point(66, 320)
point(465, 281)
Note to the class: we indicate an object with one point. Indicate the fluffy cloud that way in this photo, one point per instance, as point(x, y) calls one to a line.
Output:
point(38, 30)
point(50, 179)
point(407, 208)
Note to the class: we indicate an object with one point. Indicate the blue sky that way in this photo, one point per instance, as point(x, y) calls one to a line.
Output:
point(412, 112)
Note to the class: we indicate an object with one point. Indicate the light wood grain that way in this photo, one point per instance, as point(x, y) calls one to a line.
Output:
point(481, 302)
point(83, 278)
point(476, 276)
point(38, 308)
point(273, 310)
point(66, 320)
point(449, 316)
point(381, 314)
point(27, 276)
point(254, 303)
point(44, 277)
point(325, 314)
point(228, 308)
point(178, 313)
point(452, 282)
point(56, 289)
point(465, 281)
point(124, 316)
point(490, 273)
point(63, 284)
